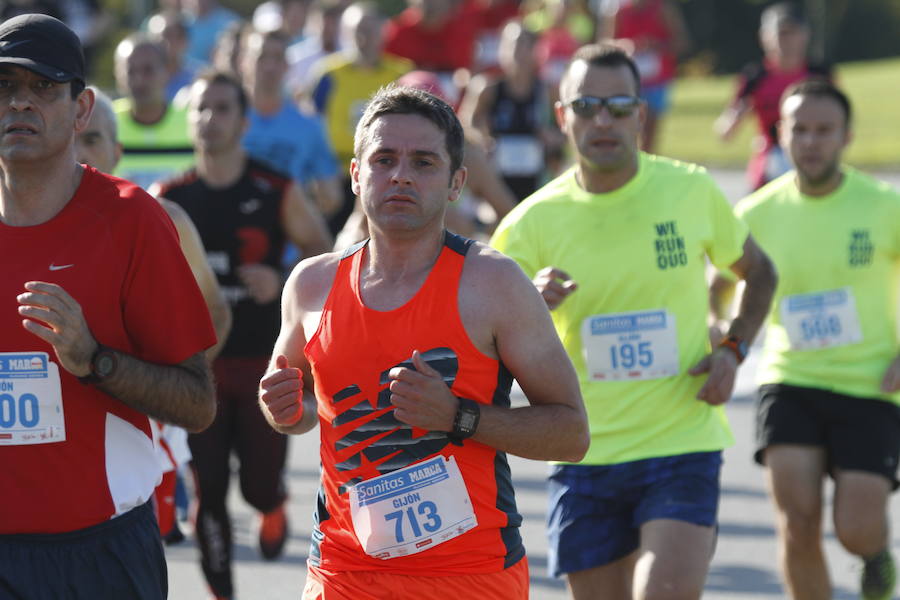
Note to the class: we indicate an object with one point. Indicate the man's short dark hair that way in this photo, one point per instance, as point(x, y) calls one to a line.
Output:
point(782, 12)
point(213, 76)
point(605, 55)
point(399, 100)
point(820, 88)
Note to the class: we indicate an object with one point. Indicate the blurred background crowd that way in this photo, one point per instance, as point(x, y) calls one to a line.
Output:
point(497, 61)
point(308, 67)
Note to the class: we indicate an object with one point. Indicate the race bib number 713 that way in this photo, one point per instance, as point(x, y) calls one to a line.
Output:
point(411, 510)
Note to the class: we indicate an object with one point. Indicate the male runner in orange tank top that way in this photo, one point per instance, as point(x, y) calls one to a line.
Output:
point(403, 349)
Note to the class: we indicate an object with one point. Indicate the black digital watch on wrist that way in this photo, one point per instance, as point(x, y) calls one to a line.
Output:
point(103, 365)
point(466, 420)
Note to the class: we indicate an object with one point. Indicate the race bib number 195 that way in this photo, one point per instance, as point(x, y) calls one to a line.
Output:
point(31, 410)
point(412, 509)
point(632, 346)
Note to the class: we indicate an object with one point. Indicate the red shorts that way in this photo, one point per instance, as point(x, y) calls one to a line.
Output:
point(509, 584)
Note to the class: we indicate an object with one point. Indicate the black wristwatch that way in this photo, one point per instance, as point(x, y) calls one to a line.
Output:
point(103, 365)
point(466, 421)
point(737, 346)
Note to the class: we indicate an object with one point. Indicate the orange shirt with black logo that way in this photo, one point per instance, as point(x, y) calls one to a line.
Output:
point(350, 355)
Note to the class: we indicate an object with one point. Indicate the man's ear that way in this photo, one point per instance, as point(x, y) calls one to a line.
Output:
point(560, 112)
point(354, 176)
point(457, 181)
point(84, 107)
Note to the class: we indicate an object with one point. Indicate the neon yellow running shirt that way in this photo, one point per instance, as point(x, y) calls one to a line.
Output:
point(638, 320)
point(151, 153)
point(833, 323)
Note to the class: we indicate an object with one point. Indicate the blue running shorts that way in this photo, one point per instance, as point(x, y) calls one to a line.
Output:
point(596, 512)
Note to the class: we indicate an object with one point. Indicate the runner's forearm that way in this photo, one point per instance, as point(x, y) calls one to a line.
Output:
point(181, 394)
point(760, 281)
point(538, 432)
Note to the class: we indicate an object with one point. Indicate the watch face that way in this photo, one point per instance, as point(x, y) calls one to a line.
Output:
point(105, 364)
point(467, 421)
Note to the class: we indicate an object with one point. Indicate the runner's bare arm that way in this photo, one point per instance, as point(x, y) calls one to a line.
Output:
point(759, 276)
point(192, 248)
point(327, 194)
point(486, 183)
point(726, 124)
point(304, 224)
point(554, 426)
point(721, 297)
point(287, 391)
point(180, 394)
point(474, 110)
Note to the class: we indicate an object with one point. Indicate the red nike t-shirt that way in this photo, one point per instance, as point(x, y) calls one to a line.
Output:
point(73, 456)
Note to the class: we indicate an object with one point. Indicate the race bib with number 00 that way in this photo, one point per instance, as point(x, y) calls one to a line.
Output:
point(31, 409)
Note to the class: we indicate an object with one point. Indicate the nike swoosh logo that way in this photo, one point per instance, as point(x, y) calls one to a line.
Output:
point(8, 45)
point(250, 206)
point(60, 267)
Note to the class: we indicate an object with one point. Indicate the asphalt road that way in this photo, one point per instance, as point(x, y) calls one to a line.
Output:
point(744, 566)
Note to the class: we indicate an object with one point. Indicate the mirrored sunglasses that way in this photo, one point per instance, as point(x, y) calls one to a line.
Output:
point(619, 107)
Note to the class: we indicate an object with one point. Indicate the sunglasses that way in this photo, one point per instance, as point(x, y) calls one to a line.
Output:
point(619, 107)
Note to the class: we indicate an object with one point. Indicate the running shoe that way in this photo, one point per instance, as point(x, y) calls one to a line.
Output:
point(879, 577)
point(273, 531)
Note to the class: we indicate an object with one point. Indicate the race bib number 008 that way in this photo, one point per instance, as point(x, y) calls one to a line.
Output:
point(821, 320)
point(411, 510)
point(630, 346)
point(31, 410)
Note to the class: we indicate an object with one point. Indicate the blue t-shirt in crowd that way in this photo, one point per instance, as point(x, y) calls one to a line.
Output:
point(203, 31)
point(292, 143)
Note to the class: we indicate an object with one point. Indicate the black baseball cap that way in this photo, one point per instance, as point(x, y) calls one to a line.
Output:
point(44, 45)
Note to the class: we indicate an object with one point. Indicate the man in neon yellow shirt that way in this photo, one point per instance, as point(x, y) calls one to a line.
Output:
point(153, 132)
point(617, 246)
point(829, 372)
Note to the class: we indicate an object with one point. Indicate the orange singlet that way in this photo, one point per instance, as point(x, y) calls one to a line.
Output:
point(510, 584)
point(350, 355)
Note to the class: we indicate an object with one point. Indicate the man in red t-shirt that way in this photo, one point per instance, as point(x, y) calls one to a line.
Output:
point(784, 37)
point(434, 34)
point(103, 326)
point(403, 349)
